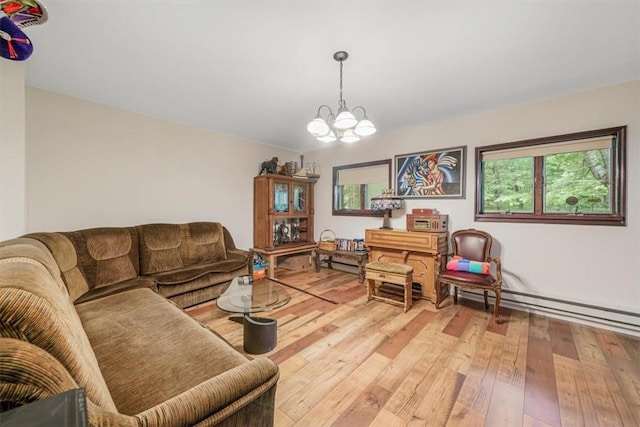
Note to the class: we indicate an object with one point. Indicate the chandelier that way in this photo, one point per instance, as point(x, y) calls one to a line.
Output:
point(343, 125)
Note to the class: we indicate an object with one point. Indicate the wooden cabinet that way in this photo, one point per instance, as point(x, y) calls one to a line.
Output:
point(282, 212)
point(417, 249)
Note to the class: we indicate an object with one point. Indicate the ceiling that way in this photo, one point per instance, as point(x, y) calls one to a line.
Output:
point(260, 69)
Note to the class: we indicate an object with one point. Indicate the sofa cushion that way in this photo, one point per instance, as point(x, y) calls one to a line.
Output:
point(203, 243)
point(138, 282)
point(159, 247)
point(138, 336)
point(65, 255)
point(32, 250)
point(106, 255)
point(206, 281)
point(183, 275)
point(167, 247)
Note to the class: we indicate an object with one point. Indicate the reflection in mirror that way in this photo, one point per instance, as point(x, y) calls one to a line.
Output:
point(354, 185)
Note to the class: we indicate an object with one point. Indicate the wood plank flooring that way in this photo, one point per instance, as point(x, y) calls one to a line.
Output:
point(359, 363)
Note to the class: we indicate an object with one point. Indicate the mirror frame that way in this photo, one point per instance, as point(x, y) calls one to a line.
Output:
point(362, 212)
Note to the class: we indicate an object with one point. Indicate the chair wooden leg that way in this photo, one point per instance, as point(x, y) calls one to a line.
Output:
point(486, 300)
point(455, 294)
point(496, 307)
point(438, 297)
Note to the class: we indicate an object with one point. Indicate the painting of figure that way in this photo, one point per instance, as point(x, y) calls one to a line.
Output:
point(431, 174)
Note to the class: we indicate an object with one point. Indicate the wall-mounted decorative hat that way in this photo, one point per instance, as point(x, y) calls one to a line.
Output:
point(14, 44)
point(14, 15)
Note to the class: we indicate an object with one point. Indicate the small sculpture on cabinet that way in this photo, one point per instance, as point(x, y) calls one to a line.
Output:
point(269, 166)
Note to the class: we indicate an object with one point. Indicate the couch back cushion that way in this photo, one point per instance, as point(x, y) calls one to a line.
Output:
point(165, 247)
point(36, 251)
point(66, 259)
point(35, 307)
point(203, 243)
point(106, 255)
point(159, 247)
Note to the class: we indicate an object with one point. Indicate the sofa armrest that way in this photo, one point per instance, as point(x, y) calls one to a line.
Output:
point(28, 373)
point(100, 417)
point(240, 253)
point(217, 398)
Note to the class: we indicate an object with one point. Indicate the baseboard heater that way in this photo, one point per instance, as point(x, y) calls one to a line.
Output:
point(611, 318)
point(342, 263)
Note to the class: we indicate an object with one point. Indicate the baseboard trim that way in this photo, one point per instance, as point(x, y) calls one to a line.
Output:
point(621, 321)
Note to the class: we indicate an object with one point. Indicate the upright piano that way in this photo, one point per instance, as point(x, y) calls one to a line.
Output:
point(415, 248)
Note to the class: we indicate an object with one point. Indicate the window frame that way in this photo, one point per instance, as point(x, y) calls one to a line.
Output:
point(362, 211)
point(617, 217)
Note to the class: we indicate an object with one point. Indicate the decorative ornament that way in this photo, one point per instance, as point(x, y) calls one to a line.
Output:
point(14, 44)
point(24, 13)
point(14, 15)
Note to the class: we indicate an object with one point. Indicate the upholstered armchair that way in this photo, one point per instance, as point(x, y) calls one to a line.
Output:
point(469, 266)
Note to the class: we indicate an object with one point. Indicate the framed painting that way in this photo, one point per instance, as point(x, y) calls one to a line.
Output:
point(431, 174)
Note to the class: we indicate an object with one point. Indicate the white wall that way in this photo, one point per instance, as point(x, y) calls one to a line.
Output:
point(12, 149)
point(588, 264)
point(90, 165)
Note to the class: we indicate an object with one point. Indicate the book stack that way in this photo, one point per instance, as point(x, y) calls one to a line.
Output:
point(350, 245)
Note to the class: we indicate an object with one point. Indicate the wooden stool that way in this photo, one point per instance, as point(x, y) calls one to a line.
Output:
point(399, 274)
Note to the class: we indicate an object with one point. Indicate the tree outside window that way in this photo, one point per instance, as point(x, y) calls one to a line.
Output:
point(576, 178)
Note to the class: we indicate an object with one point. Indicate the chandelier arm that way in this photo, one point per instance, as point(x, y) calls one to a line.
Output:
point(327, 107)
point(364, 112)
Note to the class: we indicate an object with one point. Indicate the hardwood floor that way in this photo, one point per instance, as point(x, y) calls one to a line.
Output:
point(359, 363)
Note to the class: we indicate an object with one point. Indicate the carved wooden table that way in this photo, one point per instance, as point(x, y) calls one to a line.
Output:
point(272, 256)
point(360, 257)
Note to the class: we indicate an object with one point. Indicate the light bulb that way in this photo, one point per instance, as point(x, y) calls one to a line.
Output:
point(345, 120)
point(349, 137)
point(329, 137)
point(318, 127)
point(364, 128)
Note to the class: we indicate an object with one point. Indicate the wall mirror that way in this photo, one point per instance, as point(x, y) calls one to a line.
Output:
point(354, 185)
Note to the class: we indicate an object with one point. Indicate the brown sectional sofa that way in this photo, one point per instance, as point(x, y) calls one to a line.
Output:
point(187, 263)
point(191, 262)
point(76, 311)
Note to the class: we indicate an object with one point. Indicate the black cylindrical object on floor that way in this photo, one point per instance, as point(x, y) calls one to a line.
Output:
point(260, 334)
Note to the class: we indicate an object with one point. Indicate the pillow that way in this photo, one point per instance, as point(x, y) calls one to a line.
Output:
point(457, 263)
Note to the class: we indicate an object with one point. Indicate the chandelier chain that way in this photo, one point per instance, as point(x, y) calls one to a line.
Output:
point(341, 102)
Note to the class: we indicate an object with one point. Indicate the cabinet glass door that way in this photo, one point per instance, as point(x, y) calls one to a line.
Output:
point(299, 197)
point(281, 196)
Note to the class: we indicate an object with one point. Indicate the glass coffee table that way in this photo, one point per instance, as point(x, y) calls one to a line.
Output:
point(246, 297)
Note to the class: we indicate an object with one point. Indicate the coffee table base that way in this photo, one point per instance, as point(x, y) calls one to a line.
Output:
point(260, 333)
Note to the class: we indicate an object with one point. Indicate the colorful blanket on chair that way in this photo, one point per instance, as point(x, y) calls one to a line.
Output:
point(457, 263)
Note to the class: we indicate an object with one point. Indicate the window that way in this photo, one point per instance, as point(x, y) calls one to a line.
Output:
point(569, 179)
point(354, 186)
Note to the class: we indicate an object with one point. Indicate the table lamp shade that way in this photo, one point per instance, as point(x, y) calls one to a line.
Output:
point(387, 201)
